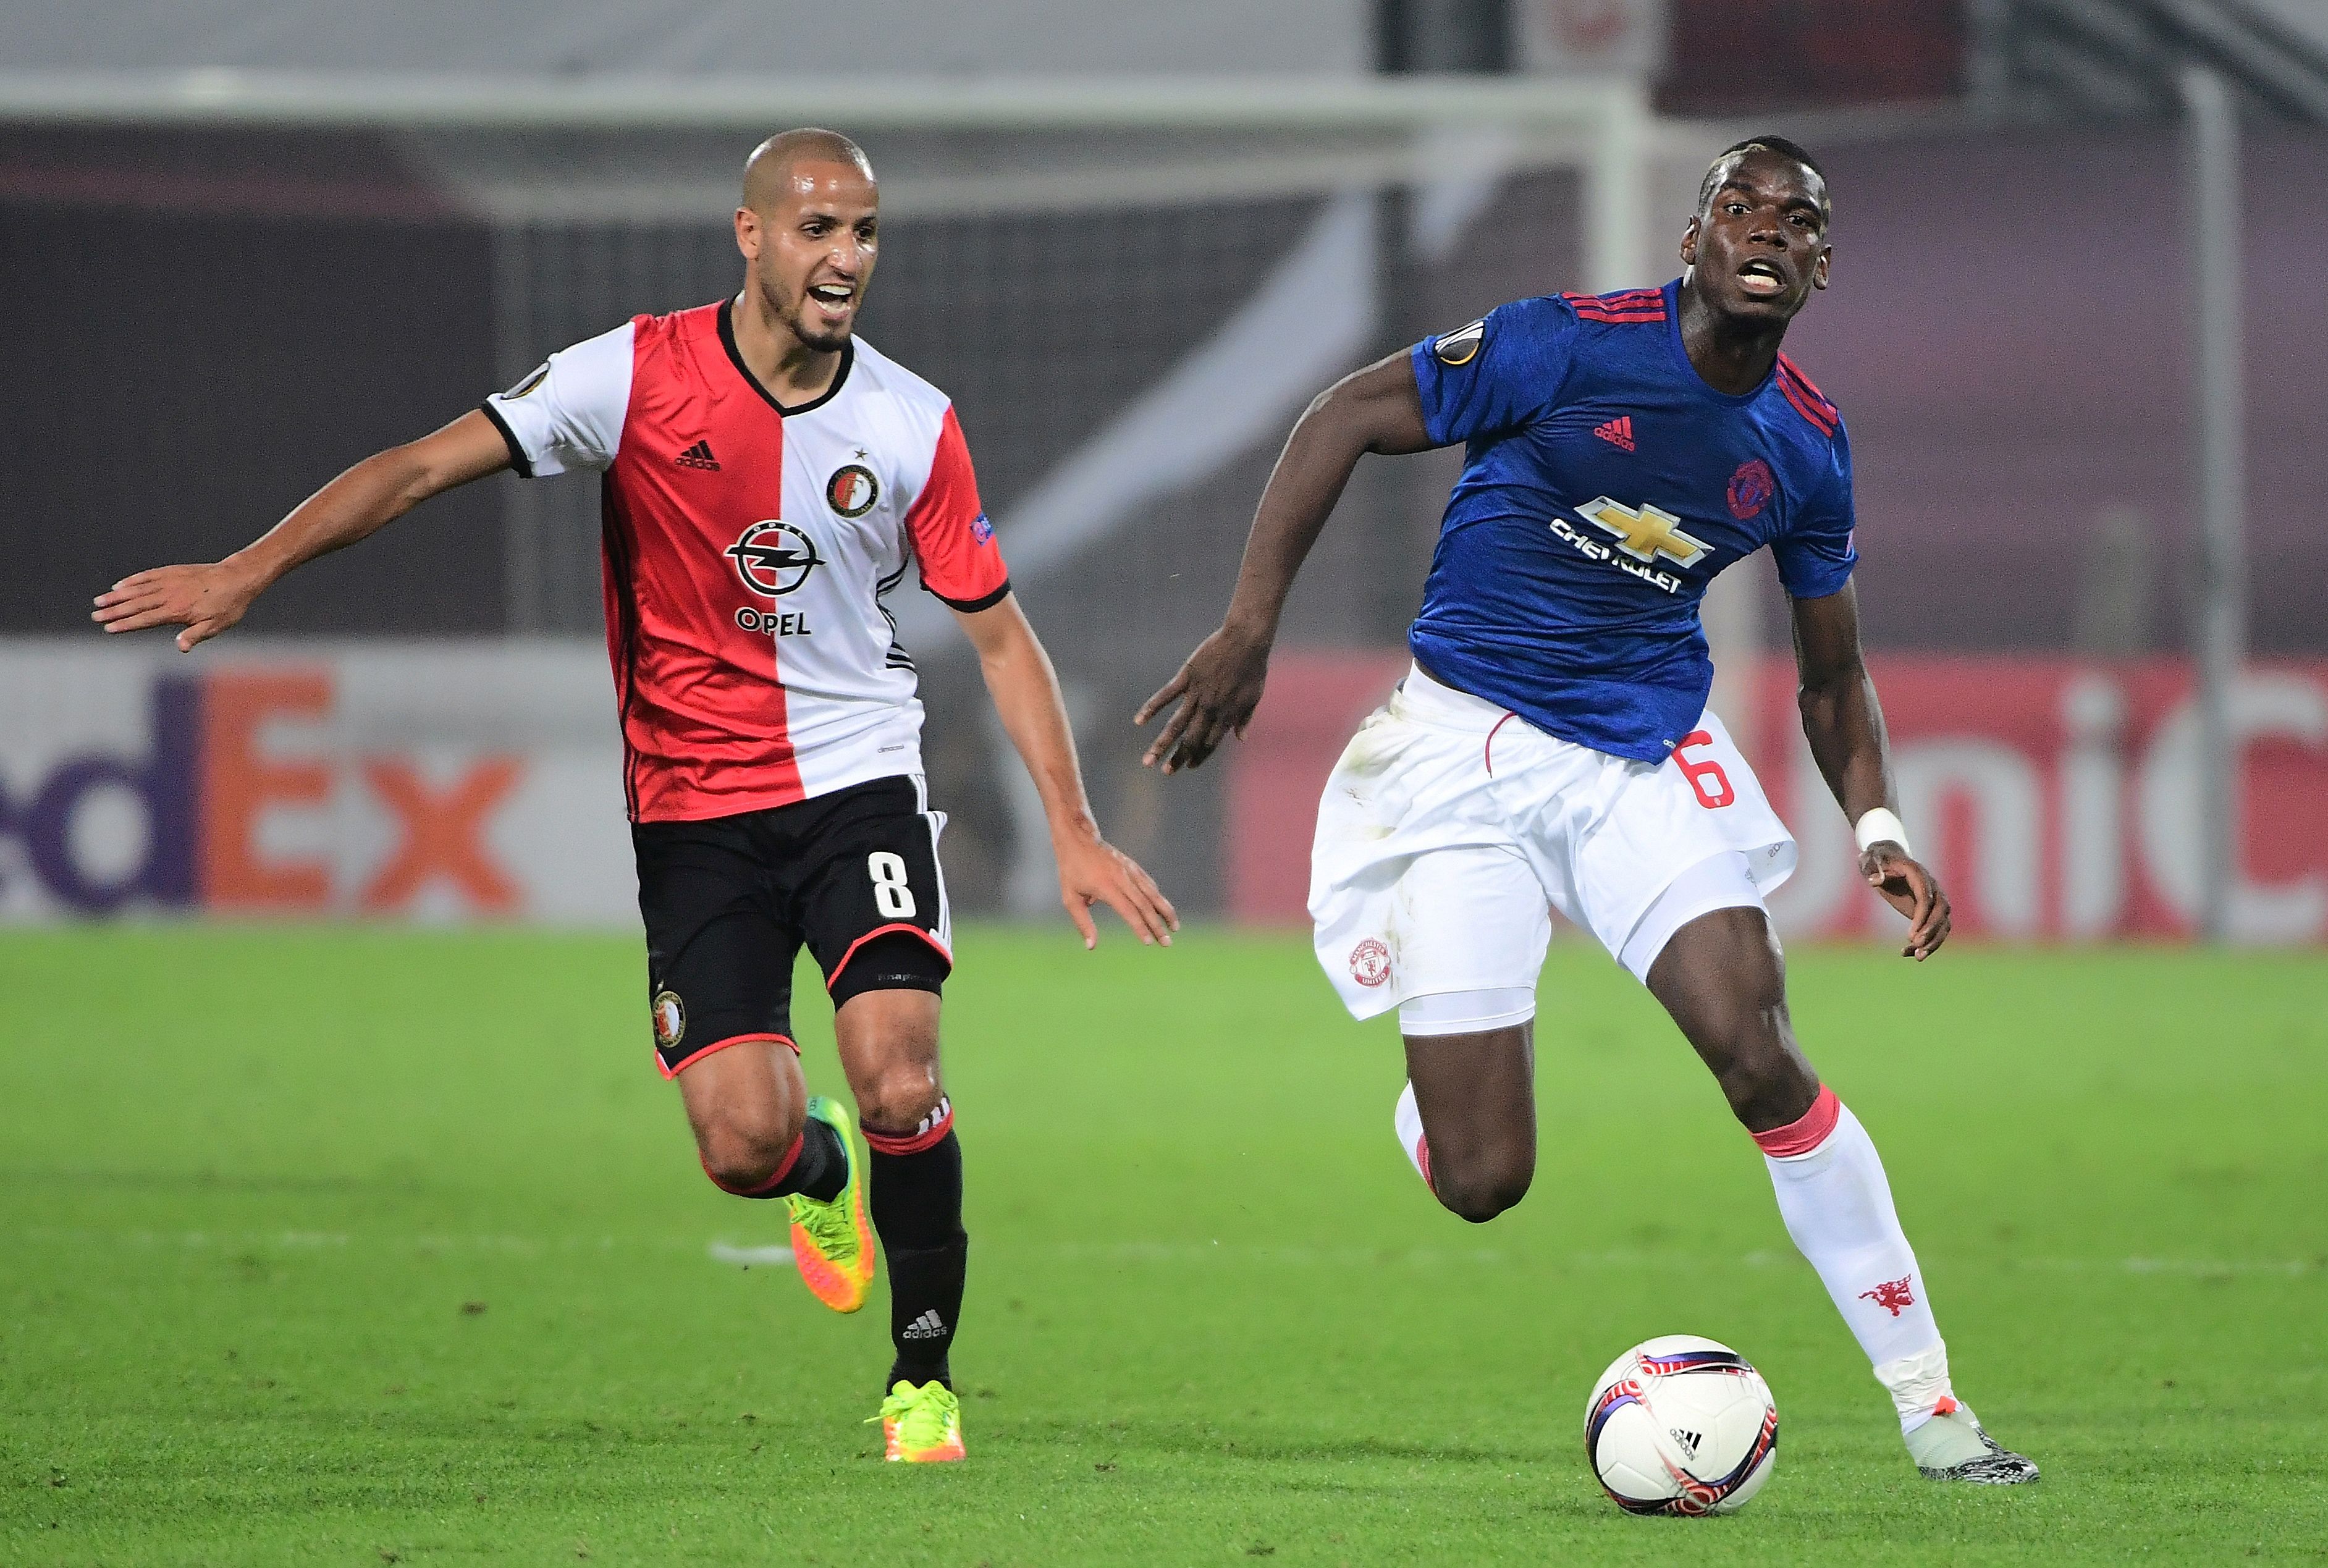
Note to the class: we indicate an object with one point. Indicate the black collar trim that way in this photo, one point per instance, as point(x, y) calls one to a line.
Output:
point(735, 358)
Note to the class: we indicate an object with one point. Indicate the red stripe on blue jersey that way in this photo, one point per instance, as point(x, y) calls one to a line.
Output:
point(1796, 370)
point(1808, 399)
point(1809, 411)
point(1628, 306)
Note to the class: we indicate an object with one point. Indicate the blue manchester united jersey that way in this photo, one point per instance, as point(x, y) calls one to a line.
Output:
point(1604, 485)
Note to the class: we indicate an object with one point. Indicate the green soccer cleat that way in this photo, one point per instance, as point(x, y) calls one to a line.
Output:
point(921, 1426)
point(832, 1245)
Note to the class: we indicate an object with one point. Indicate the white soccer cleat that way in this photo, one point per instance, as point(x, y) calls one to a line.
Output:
point(1952, 1447)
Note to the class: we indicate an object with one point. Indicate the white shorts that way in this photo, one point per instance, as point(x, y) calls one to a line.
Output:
point(1452, 828)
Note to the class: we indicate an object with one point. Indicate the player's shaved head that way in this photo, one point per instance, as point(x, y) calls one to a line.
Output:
point(768, 170)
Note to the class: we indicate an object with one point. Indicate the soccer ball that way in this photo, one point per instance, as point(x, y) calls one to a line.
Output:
point(1681, 1426)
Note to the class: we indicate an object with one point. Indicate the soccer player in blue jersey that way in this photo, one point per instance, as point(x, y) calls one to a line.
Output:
point(1551, 748)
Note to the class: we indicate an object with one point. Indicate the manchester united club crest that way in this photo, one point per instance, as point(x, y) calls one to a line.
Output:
point(669, 1019)
point(1750, 489)
point(1370, 963)
point(852, 491)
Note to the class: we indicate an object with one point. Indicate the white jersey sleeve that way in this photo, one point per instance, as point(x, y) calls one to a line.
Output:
point(569, 412)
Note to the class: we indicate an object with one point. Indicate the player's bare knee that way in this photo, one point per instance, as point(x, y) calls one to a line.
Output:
point(1481, 1201)
point(1766, 1082)
point(742, 1147)
point(1479, 1190)
point(898, 1096)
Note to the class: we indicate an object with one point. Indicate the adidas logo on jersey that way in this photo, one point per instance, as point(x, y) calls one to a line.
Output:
point(928, 1326)
point(699, 456)
point(1616, 432)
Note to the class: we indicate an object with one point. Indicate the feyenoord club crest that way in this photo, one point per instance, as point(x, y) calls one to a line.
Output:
point(669, 1019)
point(773, 558)
point(852, 491)
point(1370, 963)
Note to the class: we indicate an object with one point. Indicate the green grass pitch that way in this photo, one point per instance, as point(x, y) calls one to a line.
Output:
point(359, 1246)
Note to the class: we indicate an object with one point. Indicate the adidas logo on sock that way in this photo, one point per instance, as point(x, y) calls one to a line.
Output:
point(928, 1326)
point(699, 456)
point(1619, 431)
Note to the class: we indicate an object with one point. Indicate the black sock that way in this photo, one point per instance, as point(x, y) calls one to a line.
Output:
point(916, 1203)
point(819, 1170)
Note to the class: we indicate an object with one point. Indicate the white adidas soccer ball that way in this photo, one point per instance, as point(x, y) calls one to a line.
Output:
point(1681, 1426)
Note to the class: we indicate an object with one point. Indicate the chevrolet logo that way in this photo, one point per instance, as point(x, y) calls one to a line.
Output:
point(1646, 534)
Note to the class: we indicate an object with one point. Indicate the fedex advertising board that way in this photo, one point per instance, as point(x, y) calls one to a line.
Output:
point(2056, 799)
point(423, 780)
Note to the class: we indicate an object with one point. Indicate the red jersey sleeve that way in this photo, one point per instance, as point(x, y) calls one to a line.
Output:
point(960, 563)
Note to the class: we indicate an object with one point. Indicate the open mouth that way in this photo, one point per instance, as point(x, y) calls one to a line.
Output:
point(834, 297)
point(1762, 280)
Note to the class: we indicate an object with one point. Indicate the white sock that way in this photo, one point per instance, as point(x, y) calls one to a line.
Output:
point(1408, 1120)
point(1837, 1206)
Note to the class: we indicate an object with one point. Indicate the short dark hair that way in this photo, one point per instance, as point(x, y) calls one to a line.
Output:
point(1793, 151)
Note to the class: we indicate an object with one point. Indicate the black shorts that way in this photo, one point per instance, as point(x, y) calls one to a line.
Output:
point(729, 901)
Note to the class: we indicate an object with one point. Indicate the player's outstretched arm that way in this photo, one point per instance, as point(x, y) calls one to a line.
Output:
point(1376, 410)
point(207, 599)
point(1026, 691)
point(1843, 722)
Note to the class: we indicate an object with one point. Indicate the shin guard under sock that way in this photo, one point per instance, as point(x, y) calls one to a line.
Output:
point(917, 1208)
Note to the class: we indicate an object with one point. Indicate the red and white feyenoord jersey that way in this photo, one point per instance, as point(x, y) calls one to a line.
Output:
point(747, 546)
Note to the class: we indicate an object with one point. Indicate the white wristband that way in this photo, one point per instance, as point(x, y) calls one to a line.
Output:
point(1879, 825)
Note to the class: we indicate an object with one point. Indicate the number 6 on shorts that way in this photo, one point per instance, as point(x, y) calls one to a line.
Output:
point(891, 896)
point(1699, 773)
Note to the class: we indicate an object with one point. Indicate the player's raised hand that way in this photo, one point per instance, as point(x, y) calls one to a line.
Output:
point(203, 599)
point(1913, 891)
point(1094, 871)
point(1219, 688)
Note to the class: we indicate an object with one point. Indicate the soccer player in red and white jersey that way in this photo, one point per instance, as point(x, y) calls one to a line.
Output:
point(767, 478)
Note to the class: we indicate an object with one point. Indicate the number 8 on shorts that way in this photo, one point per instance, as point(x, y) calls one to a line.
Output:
point(891, 893)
